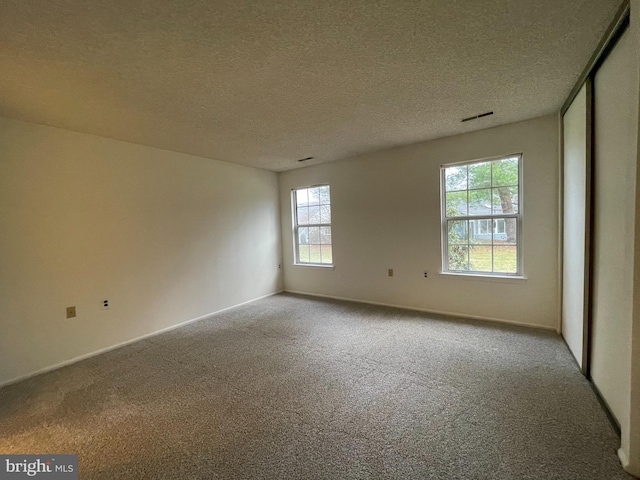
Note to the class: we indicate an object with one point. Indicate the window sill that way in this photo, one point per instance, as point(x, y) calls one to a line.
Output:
point(313, 265)
point(486, 278)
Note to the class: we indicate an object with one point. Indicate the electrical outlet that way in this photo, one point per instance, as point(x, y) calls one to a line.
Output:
point(71, 312)
point(425, 274)
point(105, 304)
point(391, 272)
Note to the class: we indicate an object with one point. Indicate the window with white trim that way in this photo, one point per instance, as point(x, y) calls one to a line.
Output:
point(312, 225)
point(482, 217)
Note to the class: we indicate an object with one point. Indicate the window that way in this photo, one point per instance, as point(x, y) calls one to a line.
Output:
point(482, 216)
point(312, 225)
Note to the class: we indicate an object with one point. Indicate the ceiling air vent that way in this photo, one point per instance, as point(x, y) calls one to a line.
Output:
point(305, 159)
point(477, 116)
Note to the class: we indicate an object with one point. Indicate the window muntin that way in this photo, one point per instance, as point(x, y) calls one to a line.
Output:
point(481, 217)
point(312, 225)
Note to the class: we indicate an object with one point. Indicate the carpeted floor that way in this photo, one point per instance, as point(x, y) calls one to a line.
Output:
point(295, 387)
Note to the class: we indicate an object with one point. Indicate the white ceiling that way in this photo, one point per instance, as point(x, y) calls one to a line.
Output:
point(266, 82)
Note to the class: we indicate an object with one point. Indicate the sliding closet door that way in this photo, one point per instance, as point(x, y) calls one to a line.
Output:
point(615, 150)
point(576, 192)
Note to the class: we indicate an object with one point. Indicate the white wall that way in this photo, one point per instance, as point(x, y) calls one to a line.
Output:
point(166, 237)
point(574, 205)
point(615, 157)
point(386, 214)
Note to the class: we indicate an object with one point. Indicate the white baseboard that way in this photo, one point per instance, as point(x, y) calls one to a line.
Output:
point(623, 458)
point(128, 342)
point(626, 464)
point(427, 310)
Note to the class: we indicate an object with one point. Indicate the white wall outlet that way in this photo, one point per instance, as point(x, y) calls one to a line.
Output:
point(425, 274)
point(106, 304)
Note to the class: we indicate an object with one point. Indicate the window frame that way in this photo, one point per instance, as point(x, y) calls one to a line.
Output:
point(296, 226)
point(519, 274)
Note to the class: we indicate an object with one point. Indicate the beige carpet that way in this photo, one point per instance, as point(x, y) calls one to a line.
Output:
point(295, 387)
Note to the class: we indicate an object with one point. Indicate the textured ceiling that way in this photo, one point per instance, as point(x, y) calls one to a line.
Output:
point(266, 82)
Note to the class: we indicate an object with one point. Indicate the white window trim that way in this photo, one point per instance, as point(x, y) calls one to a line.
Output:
point(519, 220)
point(295, 226)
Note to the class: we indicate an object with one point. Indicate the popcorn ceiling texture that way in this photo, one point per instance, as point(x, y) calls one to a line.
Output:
point(266, 83)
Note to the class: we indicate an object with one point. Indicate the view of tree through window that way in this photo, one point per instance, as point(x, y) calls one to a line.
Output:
point(481, 216)
point(312, 225)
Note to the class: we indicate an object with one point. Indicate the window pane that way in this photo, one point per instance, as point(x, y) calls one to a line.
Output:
point(458, 257)
point(480, 175)
point(457, 232)
point(325, 235)
point(302, 197)
point(505, 200)
point(476, 193)
point(303, 253)
point(303, 235)
point(480, 231)
point(303, 215)
point(505, 172)
point(325, 213)
point(314, 214)
point(480, 202)
point(455, 178)
point(314, 235)
point(456, 204)
point(313, 207)
point(314, 196)
point(326, 254)
point(314, 253)
point(505, 259)
point(510, 235)
point(480, 258)
point(324, 195)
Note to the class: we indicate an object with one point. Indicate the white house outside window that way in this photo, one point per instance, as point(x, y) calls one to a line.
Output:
point(312, 225)
point(482, 217)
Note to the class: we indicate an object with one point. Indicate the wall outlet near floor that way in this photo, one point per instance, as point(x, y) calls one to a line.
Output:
point(71, 312)
point(425, 274)
point(391, 272)
point(106, 304)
